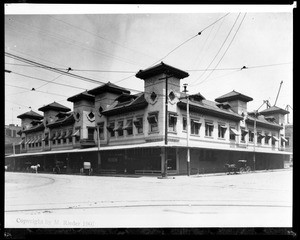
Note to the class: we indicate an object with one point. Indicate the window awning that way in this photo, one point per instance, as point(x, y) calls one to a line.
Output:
point(118, 127)
point(138, 122)
point(76, 133)
point(268, 135)
point(45, 138)
point(28, 141)
point(173, 114)
point(261, 135)
point(196, 121)
point(152, 119)
point(38, 140)
point(275, 138)
point(22, 141)
point(62, 135)
point(69, 134)
point(56, 137)
point(209, 124)
point(283, 139)
point(128, 125)
point(33, 140)
point(234, 131)
point(223, 126)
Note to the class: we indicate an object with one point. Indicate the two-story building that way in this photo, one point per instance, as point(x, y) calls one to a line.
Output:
point(135, 133)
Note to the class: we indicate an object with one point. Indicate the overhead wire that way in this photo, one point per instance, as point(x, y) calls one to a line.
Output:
point(189, 39)
point(220, 48)
point(225, 50)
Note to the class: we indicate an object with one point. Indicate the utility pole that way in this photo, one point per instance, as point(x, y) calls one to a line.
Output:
point(254, 139)
point(278, 93)
point(187, 130)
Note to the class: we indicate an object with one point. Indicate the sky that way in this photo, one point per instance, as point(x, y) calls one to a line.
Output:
point(113, 45)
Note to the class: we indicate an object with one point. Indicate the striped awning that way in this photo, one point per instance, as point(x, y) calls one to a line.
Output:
point(62, 135)
point(76, 133)
point(45, 138)
point(128, 125)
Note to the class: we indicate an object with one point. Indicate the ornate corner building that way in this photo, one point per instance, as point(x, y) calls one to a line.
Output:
point(120, 132)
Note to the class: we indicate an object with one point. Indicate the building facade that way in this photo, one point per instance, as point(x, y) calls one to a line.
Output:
point(120, 132)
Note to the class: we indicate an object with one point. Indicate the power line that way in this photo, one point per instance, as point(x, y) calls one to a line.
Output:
point(219, 49)
point(226, 49)
point(35, 90)
point(199, 33)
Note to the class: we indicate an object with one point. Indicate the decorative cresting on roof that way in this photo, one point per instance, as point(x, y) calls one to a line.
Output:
point(31, 114)
point(136, 103)
point(273, 110)
point(108, 87)
point(210, 108)
point(161, 68)
point(67, 120)
point(84, 95)
point(54, 106)
point(233, 95)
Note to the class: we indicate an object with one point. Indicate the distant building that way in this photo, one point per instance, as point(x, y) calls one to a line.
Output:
point(130, 130)
point(12, 136)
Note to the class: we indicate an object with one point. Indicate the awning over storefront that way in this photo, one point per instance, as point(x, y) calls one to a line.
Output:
point(22, 141)
point(234, 131)
point(283, 139)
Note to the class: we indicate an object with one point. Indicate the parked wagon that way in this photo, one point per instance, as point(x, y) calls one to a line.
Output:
point(87, 168)
point(243, 167)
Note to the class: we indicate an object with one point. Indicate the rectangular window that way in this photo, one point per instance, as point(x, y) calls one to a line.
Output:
point(267, 138)
point(209, 128)
point(221, 130)
point(119, 129)
point(172, 122)
point(288, 142)
point(46, 139)
point(195, 126)
point(243, 135)
point(91, 133)
point(184, 123)
point(153, 122)
point(128, 127)
point(259, 138)
point(274, 139)
point(251, 136)
point(76, 134)
point(138, 123)
point(14, 133)
point(101, 130)
point(111, 128)
point(233, 133)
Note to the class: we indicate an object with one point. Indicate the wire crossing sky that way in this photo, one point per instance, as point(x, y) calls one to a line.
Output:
point(83, 51)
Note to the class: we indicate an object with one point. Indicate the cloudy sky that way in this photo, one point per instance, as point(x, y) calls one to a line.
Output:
point(113, 45)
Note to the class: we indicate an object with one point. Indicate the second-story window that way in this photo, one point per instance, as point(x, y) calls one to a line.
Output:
point(119, 128)
point(101, 130)
point(287, 143)
point(46, 139)
point(91, 133)
point(221, 130)
point(76, 134)
point(110, 128)
point(260, 137)
point(138, 123)
point(209, 128)
point(251, 136)
point(184, 122)
point(153, 122)
point(267, 138)
point(274, 139)
point(195, 126)
point(128, 127)
point(244, 132)
point(172, 122)
point(233, 133)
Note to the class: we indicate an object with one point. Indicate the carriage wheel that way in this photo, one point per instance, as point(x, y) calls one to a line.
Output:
point(248, 168)
point(242, 169)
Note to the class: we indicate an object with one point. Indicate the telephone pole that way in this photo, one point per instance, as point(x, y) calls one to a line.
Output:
point(187, 130)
